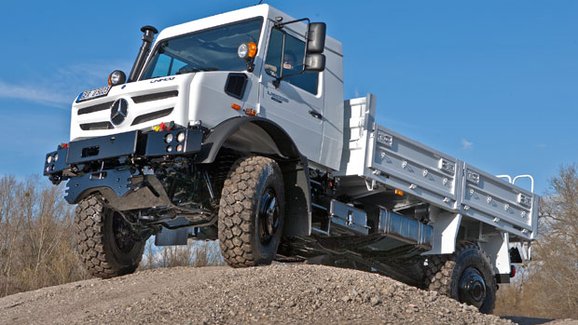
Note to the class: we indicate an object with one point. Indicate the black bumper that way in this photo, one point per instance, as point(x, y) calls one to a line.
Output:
point(70, 161)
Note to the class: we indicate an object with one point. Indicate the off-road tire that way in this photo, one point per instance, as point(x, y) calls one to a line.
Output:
point(96, 244)
point(443, 274)
point(248, 189)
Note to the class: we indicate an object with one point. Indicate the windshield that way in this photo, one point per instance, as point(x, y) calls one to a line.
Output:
point(208, 50)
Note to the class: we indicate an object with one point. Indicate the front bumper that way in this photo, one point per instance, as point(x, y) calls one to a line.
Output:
point(109, 163)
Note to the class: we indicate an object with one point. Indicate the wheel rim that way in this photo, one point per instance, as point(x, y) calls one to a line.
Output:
point(123, 236)
point(472, 287)
point(268, 216)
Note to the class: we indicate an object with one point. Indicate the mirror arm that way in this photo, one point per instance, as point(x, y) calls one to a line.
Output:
point(250, 65)
point(280, 25)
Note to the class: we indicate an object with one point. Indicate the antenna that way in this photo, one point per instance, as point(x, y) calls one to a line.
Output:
point(260, 2)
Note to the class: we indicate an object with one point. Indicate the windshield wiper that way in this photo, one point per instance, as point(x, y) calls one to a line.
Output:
point(189, 69)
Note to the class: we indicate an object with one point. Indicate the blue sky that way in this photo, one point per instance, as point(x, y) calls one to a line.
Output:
point(492, 82)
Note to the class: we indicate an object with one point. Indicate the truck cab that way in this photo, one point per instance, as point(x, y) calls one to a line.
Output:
point(194, 76)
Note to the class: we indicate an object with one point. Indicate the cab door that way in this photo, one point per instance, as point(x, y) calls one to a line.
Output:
point(290, 97)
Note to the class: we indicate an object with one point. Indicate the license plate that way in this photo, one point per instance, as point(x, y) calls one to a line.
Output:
point(93, 93)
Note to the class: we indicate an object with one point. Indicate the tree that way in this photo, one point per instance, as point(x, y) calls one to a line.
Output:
point(549, 285)
point(37, 246)
point(36, 237)
point(557, 250)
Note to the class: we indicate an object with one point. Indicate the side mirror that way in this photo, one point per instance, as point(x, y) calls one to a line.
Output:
point(316, 38)
point(315, 62)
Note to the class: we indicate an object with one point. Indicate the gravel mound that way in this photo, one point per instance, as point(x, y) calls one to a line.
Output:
point(277, 294)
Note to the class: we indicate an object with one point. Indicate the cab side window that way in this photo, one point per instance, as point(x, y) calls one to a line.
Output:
point(287, 61)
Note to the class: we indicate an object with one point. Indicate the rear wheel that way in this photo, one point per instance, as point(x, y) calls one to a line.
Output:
point(107, 245)
point(251, 212)
point(465, 276)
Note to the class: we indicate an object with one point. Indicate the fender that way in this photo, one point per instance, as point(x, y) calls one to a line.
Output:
point(251, 134)
point(262, 136)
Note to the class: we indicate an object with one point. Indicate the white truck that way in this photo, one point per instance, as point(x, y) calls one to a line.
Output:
point(234, 127)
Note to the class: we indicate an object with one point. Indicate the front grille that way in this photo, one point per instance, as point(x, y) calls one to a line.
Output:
point(96, 126)
point(95, 108)
point(151, 116)
point(155, 96)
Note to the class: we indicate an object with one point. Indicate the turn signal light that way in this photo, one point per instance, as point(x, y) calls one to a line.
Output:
point(250, 112)
point(399, 192)
point(236, 107)
point(252, 49)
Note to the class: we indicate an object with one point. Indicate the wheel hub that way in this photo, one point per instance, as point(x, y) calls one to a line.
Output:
point(123, 235)
point(472, 287)
point(268, 216)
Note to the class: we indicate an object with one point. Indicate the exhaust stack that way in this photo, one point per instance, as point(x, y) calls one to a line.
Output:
point(147, 39)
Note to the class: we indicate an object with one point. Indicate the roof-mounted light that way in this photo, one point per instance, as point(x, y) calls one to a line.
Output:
point(247, 51)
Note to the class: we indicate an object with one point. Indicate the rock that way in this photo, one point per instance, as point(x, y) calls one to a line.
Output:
point(375, 301)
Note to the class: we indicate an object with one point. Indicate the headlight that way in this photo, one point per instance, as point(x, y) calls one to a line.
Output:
point(49, 159)
point(181, 137)
point(169, 148)
point(55, 157)
point(116, 77)
point(247, 51)
point(242, 51)
point(169, 138)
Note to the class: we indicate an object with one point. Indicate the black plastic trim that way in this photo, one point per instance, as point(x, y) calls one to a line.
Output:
point(155, 96)
point(95, 108)
point(503, 278)
point(151, 116)
point(96, 126)
point(219, 135)
point(515, 256)
point(236, 84)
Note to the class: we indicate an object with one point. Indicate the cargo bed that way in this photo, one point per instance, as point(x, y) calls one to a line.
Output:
point(383, 157)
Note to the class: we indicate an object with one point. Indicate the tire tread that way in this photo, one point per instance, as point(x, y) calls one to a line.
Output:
point(236, 211)
point(90, 228)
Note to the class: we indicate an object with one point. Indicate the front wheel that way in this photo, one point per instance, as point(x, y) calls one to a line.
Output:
point(465, 276)
point(107, 245)
point(251, 212)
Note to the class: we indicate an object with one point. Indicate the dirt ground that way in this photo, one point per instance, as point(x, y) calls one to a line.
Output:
point(282, 293)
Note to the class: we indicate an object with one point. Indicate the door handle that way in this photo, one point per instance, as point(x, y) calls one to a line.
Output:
point(315, 114)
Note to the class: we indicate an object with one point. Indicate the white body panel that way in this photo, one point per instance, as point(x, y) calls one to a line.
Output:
point(80, 120)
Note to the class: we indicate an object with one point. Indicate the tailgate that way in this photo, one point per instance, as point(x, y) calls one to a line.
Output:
point(495, 201)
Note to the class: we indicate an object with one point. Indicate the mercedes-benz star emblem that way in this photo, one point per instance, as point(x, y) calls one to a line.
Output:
point(118, 111)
